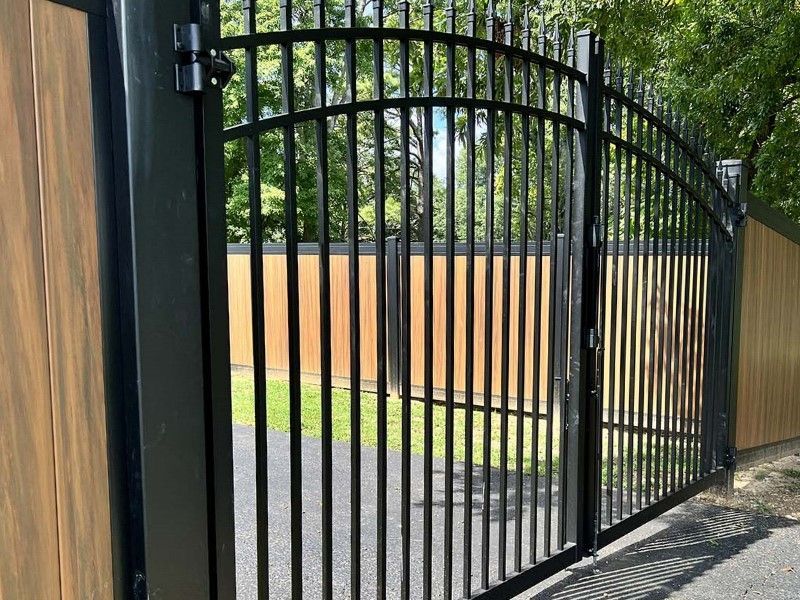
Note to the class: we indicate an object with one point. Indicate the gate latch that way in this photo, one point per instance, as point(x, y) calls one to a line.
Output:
point(198, 69)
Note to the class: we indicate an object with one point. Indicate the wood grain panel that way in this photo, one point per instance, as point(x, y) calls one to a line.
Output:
point(28, 521)
point(68, 200)
point(768, 403)
point(276, 342)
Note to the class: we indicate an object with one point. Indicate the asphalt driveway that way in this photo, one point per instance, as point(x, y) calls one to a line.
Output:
point(695, 551)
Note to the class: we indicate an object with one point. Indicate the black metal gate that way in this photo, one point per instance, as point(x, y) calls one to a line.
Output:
point(600, 220)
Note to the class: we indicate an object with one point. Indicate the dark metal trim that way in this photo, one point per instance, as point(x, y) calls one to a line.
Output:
point(93, 7)
point(116, 356)
point(215, 325)
point(350, 108)
point(637, 519)
point(738, 170)
point(460, 249)
point(400, 34)
point(161, 303)
point(518, 583)
point(746, 457)
point(773, 218)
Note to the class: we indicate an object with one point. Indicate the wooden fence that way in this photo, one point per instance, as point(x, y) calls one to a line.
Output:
point(55, 497)
point(277, 335)
point(768, 400)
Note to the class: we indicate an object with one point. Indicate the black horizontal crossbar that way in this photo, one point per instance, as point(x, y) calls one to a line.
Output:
point(366, 106)
point(272, 38)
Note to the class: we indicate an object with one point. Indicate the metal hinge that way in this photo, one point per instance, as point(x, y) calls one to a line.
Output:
point(197, 68)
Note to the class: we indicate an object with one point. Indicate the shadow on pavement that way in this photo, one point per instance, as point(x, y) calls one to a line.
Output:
point(693, 542)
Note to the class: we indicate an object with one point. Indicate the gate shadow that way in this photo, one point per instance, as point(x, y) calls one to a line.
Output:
point(694, 540)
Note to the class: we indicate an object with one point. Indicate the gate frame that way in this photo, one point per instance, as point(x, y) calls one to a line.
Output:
point(173, 274)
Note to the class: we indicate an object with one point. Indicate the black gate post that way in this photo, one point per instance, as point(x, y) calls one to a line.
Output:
point(582, 452)
point(739, 175)
point(165, 302)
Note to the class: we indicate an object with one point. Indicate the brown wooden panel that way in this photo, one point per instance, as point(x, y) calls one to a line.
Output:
point(768, 404)
point(276, 342)
point(68, 200)
point(28, 522)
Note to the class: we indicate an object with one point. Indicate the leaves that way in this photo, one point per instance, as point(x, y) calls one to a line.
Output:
point(731, 66)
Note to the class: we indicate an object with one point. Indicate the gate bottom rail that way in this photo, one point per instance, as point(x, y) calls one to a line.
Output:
point(629, 524)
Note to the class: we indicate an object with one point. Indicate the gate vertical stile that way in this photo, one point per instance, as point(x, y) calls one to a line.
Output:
point(581, 459)
point(215, 320)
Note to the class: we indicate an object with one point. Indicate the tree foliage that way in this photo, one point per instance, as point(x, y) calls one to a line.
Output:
point(730, 66)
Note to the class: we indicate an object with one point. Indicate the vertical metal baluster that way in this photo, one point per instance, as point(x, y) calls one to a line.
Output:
point(663, 305)
point(523, 289)
point(257, 307)
point(489, 303)
point(669, 312)
point(703, 349)
point(612, 392)
point(323, 225)
point(678, 200)
point(603, 350)
point(625, 414)
point(655, 339)
point(508, 83)
point(565, 263)
point(427, 233)
point(677, 419)
point(691, 338)
point(469, 333)
point(696, 305)
point(380, 299)
point(701, 337)
point(450, 217)
point(293, 309)
point(537, 287)
point(710, 333)
point(634, 366)
point(687, 322)
point(350, 57)
point(686, 201)
point(405, 319)
point(553, 350)
point(645, 400)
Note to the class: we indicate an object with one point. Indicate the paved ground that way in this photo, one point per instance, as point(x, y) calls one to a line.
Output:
point(695, 551)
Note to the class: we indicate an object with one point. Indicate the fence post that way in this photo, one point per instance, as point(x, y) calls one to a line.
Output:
point(581, 459)
point(393, 315)
point(739, 175)
point(163, 302)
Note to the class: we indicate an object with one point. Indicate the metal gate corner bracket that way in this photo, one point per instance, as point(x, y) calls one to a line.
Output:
point(730, 457)
point(198, 69)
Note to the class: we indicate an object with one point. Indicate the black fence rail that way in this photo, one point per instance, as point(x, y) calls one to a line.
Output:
point(539, 145)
